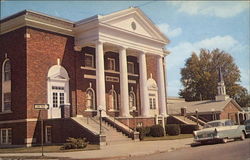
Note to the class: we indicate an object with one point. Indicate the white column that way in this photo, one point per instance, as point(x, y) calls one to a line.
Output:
point(161, 87)
point(143, 85)
point(124, 108)
point(100, 78)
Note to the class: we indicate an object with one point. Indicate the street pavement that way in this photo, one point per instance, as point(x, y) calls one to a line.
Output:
point(158, 150)
point(235, 150)
point(124, 150)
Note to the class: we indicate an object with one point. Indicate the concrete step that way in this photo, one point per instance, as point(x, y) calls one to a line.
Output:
point(112, 135)
point(185, 120)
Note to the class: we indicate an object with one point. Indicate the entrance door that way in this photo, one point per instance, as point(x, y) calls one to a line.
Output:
point(58, 90)
point(58, 99)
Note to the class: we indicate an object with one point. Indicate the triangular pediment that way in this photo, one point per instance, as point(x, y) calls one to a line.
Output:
point(135, 21)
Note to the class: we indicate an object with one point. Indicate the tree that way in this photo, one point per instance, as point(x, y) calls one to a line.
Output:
point(200, 75)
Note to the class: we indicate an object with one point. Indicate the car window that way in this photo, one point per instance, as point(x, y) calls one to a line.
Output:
point(228, 123)
point(213, 124)
point(247, 122)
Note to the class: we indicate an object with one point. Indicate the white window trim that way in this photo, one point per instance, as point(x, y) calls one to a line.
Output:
point(94, 106)
point(7, 136)
point(111, 59)
point(46, 134)
point(133, 93)
point(133, 68)
point(2, 109)
point(116, 101)
point(92, 61)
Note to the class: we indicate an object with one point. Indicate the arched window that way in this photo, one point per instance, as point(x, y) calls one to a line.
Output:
point(112, 99)
point(6, 86)
point(58, 90)
point(90, 98)
point(153, 95)
point(132, 99)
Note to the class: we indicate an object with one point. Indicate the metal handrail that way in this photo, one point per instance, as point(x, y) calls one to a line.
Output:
point(113, 119)
point(202, 118)
point(98, 123)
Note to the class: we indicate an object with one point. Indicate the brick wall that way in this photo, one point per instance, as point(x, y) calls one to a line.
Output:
point(131, 122)
point(14, 44)
point(43, 50)
point(19, 132)
point(230, 112)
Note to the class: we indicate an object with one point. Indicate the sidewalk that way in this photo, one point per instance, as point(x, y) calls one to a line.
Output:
point(120, 150)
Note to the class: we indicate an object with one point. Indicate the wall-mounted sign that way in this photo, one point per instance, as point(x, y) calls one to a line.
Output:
point(41, 106)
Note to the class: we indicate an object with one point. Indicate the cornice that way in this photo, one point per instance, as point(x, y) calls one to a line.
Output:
point(37, 20)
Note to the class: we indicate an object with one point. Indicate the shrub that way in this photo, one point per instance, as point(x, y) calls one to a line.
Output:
point(173, 129)
point(143, 131)
point(157, 131)
point(147, 131)
point(188, 129)
point(75, 143)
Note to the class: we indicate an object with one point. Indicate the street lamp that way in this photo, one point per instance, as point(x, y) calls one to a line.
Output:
point(134, 111)
point(100, 113)
point(196, 112)
point(213, 117)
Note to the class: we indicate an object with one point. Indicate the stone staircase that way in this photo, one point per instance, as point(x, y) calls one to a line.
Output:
point(190, 120)
point(113, 136)
point(185, 120)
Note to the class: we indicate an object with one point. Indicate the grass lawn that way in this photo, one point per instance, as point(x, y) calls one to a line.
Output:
point(167, 137)
point(47, 149)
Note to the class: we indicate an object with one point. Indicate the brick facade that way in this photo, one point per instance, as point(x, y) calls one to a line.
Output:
point(32, 52)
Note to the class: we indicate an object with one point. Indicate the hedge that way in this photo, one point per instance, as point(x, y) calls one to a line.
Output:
point(157, 131)
point(188, 129)
point(173, 129)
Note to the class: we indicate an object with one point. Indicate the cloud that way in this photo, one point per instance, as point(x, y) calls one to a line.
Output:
point(183, 50)
point(245, 77)
point(216, 9)
point(169, 31)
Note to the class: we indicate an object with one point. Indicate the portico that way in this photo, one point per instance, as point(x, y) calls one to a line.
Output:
point(127, 33)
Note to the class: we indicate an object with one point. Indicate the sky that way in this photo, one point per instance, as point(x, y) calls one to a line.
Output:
point(190, 25)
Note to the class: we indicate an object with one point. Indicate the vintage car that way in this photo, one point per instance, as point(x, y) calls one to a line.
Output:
point(247, 125)
point(219, 131)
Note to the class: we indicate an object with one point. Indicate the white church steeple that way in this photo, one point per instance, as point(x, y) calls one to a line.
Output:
point(221, 96)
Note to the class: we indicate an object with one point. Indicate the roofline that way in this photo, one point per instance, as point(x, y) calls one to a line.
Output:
point(24, 12)
point(13, 16)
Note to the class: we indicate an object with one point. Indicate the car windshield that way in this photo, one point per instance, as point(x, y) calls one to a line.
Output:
point(247, 122)
point(213, 124)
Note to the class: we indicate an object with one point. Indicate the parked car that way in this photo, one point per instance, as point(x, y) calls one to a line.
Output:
point(247, 125)
point(219, 131)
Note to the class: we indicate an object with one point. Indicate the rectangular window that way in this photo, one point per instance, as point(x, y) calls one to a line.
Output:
point(89, 60)
point(48, 134)
point(61, 98)
point(55, 99)
point(7, 101)
point(154, 104)
point(7, 71)
point(6, 136)
point(151, 103)
point(131, 67)
point(111, 64)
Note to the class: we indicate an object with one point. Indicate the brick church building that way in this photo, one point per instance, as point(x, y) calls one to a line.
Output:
point(111, 64)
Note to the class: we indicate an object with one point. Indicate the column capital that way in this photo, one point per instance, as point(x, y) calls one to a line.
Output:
point(98, 42)
point(122, 47)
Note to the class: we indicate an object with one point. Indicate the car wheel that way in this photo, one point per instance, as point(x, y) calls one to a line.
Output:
point(224, 140)
point(242, 137)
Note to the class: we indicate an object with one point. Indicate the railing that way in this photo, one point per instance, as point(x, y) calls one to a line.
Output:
point(118, 125)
